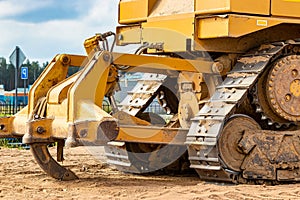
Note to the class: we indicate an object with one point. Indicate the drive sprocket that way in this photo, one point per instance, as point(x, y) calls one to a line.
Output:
point(283, 88)
point(277, 93)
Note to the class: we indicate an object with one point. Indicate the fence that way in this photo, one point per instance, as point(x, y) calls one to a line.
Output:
point(8, 109)
point(155, 107)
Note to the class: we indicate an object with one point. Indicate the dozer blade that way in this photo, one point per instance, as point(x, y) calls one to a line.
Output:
point(49, 165)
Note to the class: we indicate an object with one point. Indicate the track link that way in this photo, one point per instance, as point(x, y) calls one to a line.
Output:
point(143, 158)
point(207, 126)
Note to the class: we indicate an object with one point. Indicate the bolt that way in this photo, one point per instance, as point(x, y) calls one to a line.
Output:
point(287, 97)
point(40, 130)
point(83, 133)
point(217, 67)
point(65, 60)
point(106, 57)
point(294, 73)
point(120, 37)
point(273, 101)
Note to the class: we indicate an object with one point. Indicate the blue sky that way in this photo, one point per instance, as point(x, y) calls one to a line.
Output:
point(44, 28)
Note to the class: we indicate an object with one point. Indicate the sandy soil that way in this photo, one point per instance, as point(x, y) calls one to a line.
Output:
point(21, 178)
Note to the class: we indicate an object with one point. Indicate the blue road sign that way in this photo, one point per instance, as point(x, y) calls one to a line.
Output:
point(24, 72)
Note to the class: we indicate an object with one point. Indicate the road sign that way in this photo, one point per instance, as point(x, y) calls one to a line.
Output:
point(15, 58)
point(24, 72)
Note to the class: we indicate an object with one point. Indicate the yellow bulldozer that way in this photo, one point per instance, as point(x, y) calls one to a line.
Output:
point(226, 72)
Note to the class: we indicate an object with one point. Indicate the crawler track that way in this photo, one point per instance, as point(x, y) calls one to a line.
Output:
point(207, 126)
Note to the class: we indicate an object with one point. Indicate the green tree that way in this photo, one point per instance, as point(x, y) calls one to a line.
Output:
point(7, 73)
point(3, 68)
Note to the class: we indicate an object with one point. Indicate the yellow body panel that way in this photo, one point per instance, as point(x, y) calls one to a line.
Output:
point(237, 25)
point(261, 7)
point(232, 25)
point(157, 135)
point(129, 35)
point(213, 25)
point(289, 8)
point(168, 30)
point(132, 11)
point(161, 63)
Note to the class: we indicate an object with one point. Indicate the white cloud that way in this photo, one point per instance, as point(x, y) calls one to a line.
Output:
point(10, 8)
point(42, 41)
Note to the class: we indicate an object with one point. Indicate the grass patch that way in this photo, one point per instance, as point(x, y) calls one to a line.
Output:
point(4, 143)
point(13, 143)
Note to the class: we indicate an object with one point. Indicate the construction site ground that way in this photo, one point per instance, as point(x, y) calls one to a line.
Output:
point(22, 178)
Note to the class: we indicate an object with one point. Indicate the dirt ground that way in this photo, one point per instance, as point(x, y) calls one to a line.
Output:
point(21, 178)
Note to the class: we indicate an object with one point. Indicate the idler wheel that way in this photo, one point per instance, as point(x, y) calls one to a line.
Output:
point(232, 133)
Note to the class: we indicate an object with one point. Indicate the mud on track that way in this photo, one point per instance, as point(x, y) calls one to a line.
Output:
point(21, 178)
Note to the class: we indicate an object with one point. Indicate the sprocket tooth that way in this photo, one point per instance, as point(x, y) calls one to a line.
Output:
point(258, 109)
point(277, 125)
point(263, 117)
point(270, 123)
point(262, 109)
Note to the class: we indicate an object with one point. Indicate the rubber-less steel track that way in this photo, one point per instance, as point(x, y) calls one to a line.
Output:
point(145, 158)
point(207, 126)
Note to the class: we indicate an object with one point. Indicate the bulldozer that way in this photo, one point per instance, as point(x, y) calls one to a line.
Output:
point(226, 72)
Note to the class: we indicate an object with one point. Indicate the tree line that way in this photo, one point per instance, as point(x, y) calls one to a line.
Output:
point(7, 73)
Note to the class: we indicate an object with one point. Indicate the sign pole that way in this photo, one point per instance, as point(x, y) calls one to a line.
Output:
point(24, 92)
point(17, 57)
point(16, 79)
point(24, 76)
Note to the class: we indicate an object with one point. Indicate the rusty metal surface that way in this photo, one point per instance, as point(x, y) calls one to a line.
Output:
point(271, 155)
point(262, 106)
point(283, 88)
point(228, 143)
point(49, 165)
point(275, 96)
point(203, 151)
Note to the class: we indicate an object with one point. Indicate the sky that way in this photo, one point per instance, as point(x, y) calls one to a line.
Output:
point(45, 28)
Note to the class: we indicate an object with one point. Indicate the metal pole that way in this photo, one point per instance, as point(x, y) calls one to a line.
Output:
point(16, 79)
point(24, 92)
